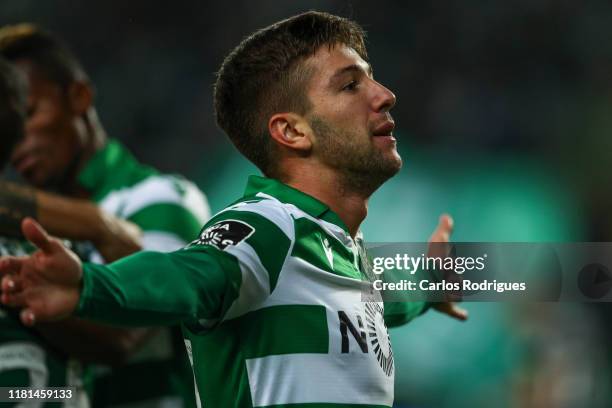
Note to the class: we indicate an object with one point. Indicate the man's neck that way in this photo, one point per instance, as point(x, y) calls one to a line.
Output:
point(326, 185)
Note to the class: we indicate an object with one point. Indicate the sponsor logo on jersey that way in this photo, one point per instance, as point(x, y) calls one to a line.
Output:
point(224, 233)
point(373, 336)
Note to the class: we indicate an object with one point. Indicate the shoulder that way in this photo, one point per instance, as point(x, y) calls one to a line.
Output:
point(269, 214)
point(173, 192)
point(258, 231)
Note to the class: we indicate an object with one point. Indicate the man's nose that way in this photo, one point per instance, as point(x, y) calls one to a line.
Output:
point(384, 99)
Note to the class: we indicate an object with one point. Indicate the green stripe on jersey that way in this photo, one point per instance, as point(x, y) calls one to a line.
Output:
point(322, 250)
point(168, 217)
point(286, 329)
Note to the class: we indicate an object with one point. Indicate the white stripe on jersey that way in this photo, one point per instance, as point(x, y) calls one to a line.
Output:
point(312, 378)
point(156, 190)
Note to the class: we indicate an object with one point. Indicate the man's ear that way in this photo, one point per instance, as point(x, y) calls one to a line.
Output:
point(291, 130)
point(80, 96)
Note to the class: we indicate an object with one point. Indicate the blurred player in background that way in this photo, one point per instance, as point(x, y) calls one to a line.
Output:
point(271, 294)
point(65, 149)
point(26, 359)
point(46, 356)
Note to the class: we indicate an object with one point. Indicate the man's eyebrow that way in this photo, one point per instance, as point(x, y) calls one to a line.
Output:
point(348, 69)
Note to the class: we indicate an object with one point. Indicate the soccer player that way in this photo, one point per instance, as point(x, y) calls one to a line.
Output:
point(270, 294)
point(45, 356)
point(66, 149)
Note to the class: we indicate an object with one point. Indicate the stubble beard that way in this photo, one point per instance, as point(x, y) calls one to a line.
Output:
point(362, 167)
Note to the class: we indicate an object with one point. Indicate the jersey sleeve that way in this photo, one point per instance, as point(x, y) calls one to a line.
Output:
point(230, 269)
point(399, 313)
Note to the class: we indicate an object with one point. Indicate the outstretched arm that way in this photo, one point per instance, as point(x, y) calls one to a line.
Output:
point(399, 313)
point(147, 288)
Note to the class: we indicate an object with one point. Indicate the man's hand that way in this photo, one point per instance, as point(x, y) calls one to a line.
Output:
point(47, 283)
point(438, 247)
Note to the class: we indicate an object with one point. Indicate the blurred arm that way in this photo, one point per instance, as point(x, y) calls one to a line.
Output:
point(81, 220)
point(73, 219)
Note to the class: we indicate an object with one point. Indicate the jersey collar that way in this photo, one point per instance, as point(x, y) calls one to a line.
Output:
point(110, 168)
point(289, 195)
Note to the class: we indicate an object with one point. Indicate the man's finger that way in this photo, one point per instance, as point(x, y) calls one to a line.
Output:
point(446, 222)
point(443, 230)
point(452, 310)
point(37, 235)
point(10, 264)
point(12, 291)
point(11, 284)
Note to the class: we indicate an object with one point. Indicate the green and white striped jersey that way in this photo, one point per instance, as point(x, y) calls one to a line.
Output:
point(28, 360)
point(170, 210)
point(270, 298)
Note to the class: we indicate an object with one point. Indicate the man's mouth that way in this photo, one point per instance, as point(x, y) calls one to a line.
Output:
point(384, 129)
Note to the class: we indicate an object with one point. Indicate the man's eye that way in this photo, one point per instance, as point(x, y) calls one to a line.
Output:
point(351, 86)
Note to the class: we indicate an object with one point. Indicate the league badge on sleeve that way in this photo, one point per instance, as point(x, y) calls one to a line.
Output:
point(224, 233)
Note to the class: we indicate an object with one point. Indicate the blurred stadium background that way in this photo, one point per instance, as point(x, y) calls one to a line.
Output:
point(504, 119)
